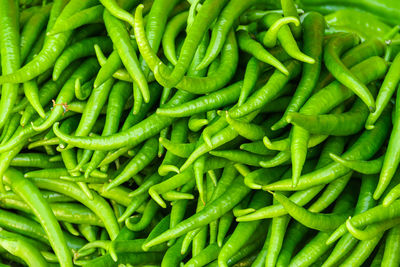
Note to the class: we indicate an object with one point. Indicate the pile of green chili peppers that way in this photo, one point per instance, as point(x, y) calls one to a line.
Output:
point(199, 133)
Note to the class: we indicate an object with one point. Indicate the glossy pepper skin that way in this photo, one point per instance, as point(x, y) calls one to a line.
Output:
point(169, 132)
